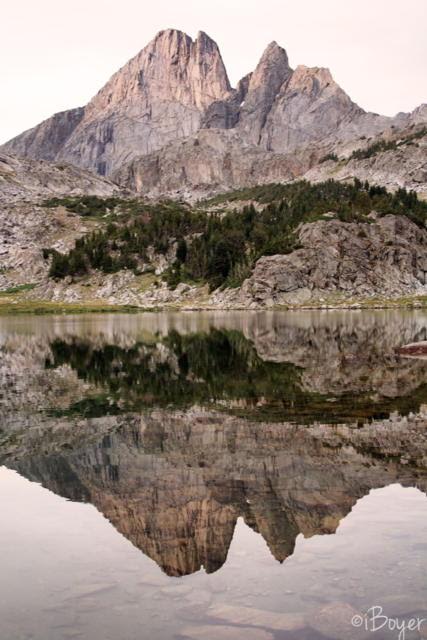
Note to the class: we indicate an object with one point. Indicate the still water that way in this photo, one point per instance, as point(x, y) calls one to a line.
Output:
point(230, 476)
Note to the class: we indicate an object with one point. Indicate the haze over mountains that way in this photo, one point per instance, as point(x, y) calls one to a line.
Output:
point(169, 122)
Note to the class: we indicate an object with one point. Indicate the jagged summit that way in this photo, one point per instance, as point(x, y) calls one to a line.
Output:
point(273, 49)
point(265, 83)
point(177, 86)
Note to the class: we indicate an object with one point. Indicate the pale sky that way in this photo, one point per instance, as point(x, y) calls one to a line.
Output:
point(56, 54)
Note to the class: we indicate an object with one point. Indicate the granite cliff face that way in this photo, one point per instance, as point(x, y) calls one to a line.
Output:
point(141, 125)
point(208, 162)
point(387, 257)
point(158, 96)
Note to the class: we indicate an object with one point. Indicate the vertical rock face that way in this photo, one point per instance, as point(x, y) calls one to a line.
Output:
point(158, 96)
point(271, 73)
point(309, 107)
point(172, 67)
point(177, 86)
point(45, 141)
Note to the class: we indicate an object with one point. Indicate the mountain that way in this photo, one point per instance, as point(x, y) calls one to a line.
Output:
point(169, 125)
point(158, 96)
point(171, 108)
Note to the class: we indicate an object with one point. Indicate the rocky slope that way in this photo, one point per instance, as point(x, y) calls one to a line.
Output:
point(26, 227)
point(213, 161)
point(387, 257)
point(209, 162)
point(332, 262)
point(402, 164)
point(26, 179)
point(337, 263)
point(176, 88)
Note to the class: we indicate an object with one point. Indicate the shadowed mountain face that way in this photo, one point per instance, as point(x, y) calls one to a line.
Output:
point(175, 425)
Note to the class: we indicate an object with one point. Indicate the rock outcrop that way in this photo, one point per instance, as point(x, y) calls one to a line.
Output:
point(26, 227)
point(25, 179)
point(404, 165)
point(387, 257)
point(209, 162)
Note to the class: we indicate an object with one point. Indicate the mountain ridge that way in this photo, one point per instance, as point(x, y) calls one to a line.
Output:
point(176, 87)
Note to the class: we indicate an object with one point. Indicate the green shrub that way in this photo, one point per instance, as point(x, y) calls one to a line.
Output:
point(373, 149)
point(329, 156)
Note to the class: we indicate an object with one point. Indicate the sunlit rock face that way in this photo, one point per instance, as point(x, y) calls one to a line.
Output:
point(158, 96)
point(141, 126)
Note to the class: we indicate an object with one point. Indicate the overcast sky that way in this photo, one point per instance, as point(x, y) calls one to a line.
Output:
point(56, 54)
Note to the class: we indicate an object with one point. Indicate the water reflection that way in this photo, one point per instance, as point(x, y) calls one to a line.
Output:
point(225, 448)
point(66, 573)
point(175, 483)
point(284, 367)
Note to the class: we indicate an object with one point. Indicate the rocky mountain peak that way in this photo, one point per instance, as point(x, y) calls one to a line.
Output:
point(274, 54)
point(312, 79)
point(272, 69)
point(177, 86)
point(206, 43)
point(159, 96)
point(172, 67)
point(271, 72)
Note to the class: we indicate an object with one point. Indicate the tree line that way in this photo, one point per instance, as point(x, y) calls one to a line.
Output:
point(220, 246)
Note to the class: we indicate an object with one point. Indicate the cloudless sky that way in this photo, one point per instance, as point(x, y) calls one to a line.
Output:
point(56, 54)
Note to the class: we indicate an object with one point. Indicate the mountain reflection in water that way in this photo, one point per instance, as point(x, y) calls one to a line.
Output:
point(177, 427)
point(321, 373)
point(175, 483)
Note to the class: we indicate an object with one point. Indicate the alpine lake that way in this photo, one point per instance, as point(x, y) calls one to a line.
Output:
point(213, 476)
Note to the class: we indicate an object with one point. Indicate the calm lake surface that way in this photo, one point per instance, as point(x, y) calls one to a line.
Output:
point(213, 476)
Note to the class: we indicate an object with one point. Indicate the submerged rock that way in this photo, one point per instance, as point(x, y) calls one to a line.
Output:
point(414, 350)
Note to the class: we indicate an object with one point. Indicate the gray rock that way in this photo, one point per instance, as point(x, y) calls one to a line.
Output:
point(335, 621)
point(175, 88)
point(158, 96)
point(386, 258)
